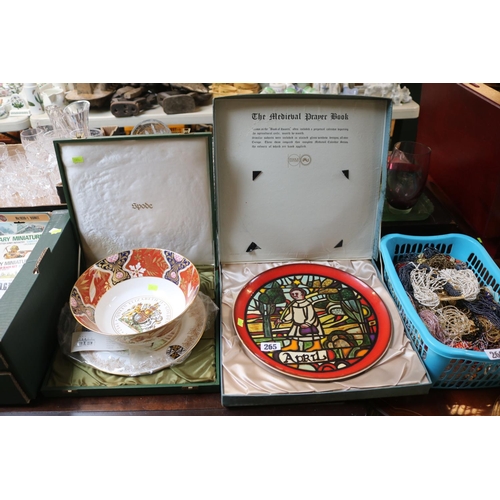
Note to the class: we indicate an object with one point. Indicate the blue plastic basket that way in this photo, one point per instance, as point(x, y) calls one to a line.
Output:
point(448, 367)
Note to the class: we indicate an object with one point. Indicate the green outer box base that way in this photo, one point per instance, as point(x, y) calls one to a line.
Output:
point(30, 308)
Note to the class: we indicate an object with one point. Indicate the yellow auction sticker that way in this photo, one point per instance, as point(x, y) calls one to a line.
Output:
point(77, 159)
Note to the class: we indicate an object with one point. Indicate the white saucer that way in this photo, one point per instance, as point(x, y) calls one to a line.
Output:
point(141, 361)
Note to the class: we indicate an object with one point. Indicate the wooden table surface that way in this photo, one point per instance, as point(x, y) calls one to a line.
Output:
point(439, 402)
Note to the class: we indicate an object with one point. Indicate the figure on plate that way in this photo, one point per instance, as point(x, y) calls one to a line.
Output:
point(306, 326)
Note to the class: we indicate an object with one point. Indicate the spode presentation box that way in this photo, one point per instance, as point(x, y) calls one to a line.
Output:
point(301, 179)
point(131, 192)
point(30, 308)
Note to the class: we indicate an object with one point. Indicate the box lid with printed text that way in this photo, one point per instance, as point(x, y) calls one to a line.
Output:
point(301, 179)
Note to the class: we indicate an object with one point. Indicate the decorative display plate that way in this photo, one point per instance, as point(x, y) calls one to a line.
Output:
point(313, 322)
point(136, 361)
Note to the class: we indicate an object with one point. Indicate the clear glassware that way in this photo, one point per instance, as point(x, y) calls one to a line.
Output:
point(407, 171)
point(17, 183)
point(58, 119)
point(32, 136)
point(4, 153)
point(37, 157)
point(150, 127)
point(29, 177)
point(77, 116)
point(49, 137)
point(42, 191)
point(54, 176)
point(8, 189)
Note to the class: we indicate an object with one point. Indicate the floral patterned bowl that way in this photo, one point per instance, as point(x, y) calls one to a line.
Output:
point(136, 295)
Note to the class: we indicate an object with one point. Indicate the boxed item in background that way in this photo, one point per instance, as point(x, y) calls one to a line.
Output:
point(30, 309)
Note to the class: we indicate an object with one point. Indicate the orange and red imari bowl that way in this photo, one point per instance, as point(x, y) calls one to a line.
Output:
point(136, 295)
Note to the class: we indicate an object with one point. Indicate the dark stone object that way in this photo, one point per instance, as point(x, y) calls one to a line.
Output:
point(131, 101)
point(175, 103)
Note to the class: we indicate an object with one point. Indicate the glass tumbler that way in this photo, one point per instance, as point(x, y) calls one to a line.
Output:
point(77, 116)
point(32, 136)
point(407, 170)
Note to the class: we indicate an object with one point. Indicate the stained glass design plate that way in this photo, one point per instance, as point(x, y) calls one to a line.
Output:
point(313, 322)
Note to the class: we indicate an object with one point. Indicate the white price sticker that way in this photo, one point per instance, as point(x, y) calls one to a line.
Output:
point(85, 343)
point(270, 346)
point(85, 340)
point(493, 354)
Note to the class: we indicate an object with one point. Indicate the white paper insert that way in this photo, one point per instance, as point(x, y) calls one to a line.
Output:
point(141, 192)
point(299, 178)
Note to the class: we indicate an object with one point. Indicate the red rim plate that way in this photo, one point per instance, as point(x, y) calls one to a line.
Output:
point(312, 322)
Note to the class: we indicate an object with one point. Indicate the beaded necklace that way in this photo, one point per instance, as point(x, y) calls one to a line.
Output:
point(450, 301)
